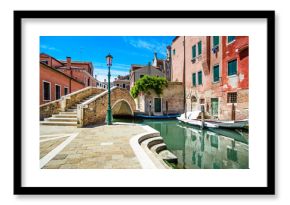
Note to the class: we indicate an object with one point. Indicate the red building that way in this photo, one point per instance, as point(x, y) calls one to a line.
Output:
point(58, 78)
point(235, 76)
point(216, 73)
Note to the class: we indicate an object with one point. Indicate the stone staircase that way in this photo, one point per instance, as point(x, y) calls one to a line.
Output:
point(67, 118)
point(155, 145)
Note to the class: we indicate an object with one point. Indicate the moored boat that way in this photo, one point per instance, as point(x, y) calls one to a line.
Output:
point(193, 118)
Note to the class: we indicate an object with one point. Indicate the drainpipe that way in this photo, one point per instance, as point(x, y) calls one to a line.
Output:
point(68, 60)
point(184, 87)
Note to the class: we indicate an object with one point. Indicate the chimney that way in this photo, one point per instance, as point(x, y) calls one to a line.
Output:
point(68, 65)
point(105, 80)
point(155, 55)
point(68, 61)
point(168, 52)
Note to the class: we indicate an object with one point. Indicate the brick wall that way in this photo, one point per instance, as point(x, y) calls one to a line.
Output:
point(48, 109)
point(95, 111)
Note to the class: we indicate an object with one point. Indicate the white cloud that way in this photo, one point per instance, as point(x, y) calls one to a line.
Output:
point(101, 70)
point(46, 47)
point(153, 46)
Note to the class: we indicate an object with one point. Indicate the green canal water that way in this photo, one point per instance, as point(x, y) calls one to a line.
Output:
point(198, 148)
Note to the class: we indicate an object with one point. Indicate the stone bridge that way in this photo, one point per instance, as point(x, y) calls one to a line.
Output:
point(86, 107)
point(94, 110)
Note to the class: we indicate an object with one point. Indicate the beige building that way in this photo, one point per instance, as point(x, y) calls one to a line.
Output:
point(169, 102)
point(138, 71)
point(122, 82)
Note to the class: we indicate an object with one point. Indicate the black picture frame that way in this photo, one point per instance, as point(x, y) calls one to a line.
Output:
point(268, 190)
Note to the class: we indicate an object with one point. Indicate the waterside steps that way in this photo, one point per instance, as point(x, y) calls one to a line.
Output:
point(157, 151)
point(67, 118)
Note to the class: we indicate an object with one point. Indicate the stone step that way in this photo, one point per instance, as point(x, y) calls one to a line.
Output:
point(65, 115)
point(61, 119)
point(72, 110)
point(58, 123)
point(68, 113)
point(158, 147)
point(150, 142)
point(168, 156)
point(87, 98)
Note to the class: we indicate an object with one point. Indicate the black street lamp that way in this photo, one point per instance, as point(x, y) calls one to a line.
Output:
point(109, 117)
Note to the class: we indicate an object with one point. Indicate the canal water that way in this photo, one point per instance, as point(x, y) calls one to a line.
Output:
point(198, 148)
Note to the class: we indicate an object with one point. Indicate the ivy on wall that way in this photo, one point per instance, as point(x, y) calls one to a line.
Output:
point(147, 83)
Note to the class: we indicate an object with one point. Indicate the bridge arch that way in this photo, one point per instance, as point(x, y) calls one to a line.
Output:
point(122, 107)
point(95, 110)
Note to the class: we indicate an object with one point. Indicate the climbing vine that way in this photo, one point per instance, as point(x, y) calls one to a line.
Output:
point(146, 83)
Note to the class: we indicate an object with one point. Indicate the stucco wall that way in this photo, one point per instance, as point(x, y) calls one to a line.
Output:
point(173, 94)
point(204, 93)
point(55, 78)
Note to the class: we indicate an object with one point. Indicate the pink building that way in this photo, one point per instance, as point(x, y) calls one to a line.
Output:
point(216, 74)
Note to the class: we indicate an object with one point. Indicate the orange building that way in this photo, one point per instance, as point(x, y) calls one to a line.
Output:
point(58, 78)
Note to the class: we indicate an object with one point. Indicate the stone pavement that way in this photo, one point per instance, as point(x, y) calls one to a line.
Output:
point(102, 147)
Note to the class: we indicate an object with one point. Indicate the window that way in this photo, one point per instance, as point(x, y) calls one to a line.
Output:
point(216, 41)
point(124, 85)
point(201, 101)
point(57, 92)
point(173, 51)
point(193, 52)
point(200, 77)
point(193, 79)
point(216, 73)
point(231, 39)
point(45, 62)
point(65, 91)
point(232, 67)
point(232, 154)
point(46, 91)
point(232, 97)
point(199, 45)
point(117, 85)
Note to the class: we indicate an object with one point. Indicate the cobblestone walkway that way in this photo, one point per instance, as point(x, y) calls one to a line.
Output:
point(103, 147)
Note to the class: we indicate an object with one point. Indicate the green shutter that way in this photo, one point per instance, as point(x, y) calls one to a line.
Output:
point(231, 38)
point(157, 104)
point(216, 73)
point(194, 79)
point(216, 40)
point(200, 77)
point(193, 51)
point(199, 48)
point(232, 67)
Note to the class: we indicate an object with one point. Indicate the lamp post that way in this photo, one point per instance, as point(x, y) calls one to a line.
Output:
point(109, 117)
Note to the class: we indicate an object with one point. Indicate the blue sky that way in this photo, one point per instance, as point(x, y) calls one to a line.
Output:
point(126, 50)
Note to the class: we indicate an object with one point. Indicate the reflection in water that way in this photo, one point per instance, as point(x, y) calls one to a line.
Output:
point(202, 149)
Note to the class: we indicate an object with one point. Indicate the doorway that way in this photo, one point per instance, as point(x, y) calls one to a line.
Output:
point(214, 107)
